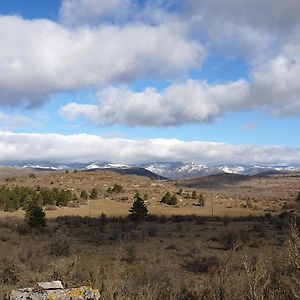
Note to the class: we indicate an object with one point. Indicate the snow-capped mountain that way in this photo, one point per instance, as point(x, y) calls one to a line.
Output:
point(172, 170)
point(177, 170)
point(105, 165)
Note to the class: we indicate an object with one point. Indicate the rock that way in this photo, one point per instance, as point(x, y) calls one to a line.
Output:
point(52, 285)
point(55, 291)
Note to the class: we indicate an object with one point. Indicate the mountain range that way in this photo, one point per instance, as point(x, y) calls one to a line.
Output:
point(160, 170)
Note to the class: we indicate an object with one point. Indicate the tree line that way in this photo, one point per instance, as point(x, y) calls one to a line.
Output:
point(14, 198)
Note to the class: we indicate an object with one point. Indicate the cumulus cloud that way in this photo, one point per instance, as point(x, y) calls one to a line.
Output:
point(41, 57)
point(190, 102)
point(86, 148)
point(273, 87)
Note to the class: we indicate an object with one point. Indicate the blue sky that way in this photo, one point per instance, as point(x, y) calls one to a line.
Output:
point(150, 71)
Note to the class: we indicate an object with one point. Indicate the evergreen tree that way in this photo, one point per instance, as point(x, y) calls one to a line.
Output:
point(139, 210)
point(35, 216)
point(168, 199)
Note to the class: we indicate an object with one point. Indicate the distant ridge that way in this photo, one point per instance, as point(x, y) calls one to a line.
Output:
point(172, 170)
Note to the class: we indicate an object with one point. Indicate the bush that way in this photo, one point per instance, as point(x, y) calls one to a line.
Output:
point(298, 197)
point(194, 195)
point(60, 247)
point(168, 199)
point(201, 200)
point(83, 194)
point(204, 264)
point(117, 188)
point(35, 216)
point(94, 194)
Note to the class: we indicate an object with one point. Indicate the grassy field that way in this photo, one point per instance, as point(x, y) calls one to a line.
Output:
point(255, 196)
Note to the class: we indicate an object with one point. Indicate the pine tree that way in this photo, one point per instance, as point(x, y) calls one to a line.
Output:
point(35, 216)
point(139, 210)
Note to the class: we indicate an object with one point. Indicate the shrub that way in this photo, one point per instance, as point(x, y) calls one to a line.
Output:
point(9, 273)
point(201, 200)
point(117, 188)
point(168, 199)
point(35, 216)
point(139, 210)
point(83, 194)
point(298, 197)
point(194, 195)
point(204, 264)
point(94, 194)
point(60, 247)
point(232, 238)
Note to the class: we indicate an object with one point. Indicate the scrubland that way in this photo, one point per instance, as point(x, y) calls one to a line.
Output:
point(244, 251)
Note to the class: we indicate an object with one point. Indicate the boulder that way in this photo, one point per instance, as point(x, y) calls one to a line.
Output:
point(54, 290)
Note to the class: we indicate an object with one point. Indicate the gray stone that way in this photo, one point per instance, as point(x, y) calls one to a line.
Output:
point(51, 285)
point(54, 291)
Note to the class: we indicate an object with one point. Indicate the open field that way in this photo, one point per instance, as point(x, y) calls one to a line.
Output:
point(250, 196)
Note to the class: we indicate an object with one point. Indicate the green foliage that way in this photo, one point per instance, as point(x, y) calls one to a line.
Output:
point(35, 216)
point(194, 195)
point(94, 194)
point(169, 199)
point(14, 198)
point(83, 194)
point(139, 210)
point(116, 189)
point(201, 200)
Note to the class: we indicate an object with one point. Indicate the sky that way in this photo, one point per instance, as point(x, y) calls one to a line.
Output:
point(136, 81)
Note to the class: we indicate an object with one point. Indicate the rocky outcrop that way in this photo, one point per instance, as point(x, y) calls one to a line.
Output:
point(54, 290)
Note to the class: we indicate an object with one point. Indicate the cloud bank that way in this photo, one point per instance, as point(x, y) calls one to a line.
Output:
point(86, 148)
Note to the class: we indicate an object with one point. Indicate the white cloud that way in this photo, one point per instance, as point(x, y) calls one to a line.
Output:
point(190, 102)
point(8, 121)
point(273, 87)
point(40, 57)
point(85, 148)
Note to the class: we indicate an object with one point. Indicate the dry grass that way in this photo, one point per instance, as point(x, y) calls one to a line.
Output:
point(184, 257)
point(256, 196)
